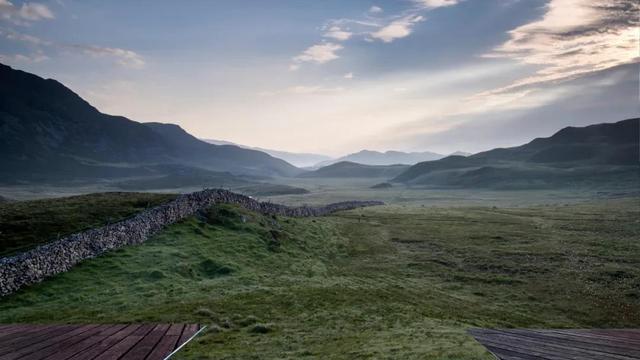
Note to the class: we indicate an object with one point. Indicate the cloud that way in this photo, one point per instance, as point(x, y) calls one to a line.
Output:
point(436, 3)
point(126, 58)
point(24, 38)
point(24, 14)
point(307, 90)
point(573, 38)
point(319, 54)
point(368, 28)
point(397, 29)
point(348, 75)
point(337, 33)
point(36, 57)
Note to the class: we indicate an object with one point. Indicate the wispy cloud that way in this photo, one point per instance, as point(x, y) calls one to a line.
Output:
point(27, 12)
point(572, 39)
point(36, 57)
point(319, 54)
point(397, 29)
point(306, 90)
point(371, 26)
point(123, 57)
point(24, 38)
point(335, 32)
point(436, 3)
point(126, 58)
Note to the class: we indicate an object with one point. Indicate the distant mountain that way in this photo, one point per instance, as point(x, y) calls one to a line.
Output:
point(368, 157)
point(49, 133)
point(297, 159)
point(346, 169)
point(596, 154)
point(460, 153)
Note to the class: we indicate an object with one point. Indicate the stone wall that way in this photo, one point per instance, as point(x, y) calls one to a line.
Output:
point(35, 265)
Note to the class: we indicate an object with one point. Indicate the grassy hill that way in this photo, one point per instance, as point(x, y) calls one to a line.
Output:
point(26, 224)
point(383, 282)
point(346, 169)
point(592, 156)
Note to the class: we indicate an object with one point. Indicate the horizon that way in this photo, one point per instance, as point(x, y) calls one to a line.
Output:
point(334, 79)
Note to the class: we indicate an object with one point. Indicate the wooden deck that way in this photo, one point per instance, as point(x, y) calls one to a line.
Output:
point(561, 344)
point(78, 342)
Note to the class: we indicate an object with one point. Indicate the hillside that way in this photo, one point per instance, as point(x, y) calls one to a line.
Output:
point(346, 169)
point(49, 133)
point(596, 154)
point(297, 159)
point(26, 224)
point(368, 157)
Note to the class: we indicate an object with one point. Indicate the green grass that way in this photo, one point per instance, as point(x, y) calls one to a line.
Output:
point(26, 224)
point(383, 282)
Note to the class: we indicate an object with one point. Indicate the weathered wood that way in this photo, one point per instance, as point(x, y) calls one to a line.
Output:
point(92, 341)
point(585, 344)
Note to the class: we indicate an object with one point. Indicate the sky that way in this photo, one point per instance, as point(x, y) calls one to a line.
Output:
point(336, 76)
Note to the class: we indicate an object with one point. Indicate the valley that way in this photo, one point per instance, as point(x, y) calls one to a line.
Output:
point(389, 281)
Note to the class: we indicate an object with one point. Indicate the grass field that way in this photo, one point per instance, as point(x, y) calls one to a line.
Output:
point(393, 281)
point(26, 224)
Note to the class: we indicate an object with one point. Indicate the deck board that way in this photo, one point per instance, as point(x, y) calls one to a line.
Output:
point(92, 341)
point(587, 344)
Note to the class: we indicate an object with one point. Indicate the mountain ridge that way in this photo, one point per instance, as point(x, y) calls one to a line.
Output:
point(593, 153)
point(47, 131)
point(299, 159)
point(389, 157)
point(347, 169)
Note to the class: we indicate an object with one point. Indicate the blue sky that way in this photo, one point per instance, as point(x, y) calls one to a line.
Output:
point(338, 76)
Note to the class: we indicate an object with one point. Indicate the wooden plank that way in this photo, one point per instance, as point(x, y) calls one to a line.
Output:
point(594, 343)
point(105, 344)
point(504, 354)
point(59, 346)
point(609, 335)
point(104, 332)
point(92, 341)
point(187, 333)
point(622, 334)
point(146, 345)
point(527, 345)
point(50, 340)
point(10, 328)
point(32, 338)
point(586, 344)
point(167, 343)
point(124, 345)
point(23, 331)
point(534, 353)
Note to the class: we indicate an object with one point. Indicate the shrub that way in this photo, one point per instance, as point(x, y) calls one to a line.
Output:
point(261, 328)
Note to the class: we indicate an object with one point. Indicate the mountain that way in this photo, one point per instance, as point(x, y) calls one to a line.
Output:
point(460, 153)
point(368, 157)
point(596, 154)
point(346, 169)
point(297, 159)
point(49, 133)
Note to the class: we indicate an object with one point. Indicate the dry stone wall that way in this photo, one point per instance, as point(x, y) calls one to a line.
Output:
point(35, 265)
